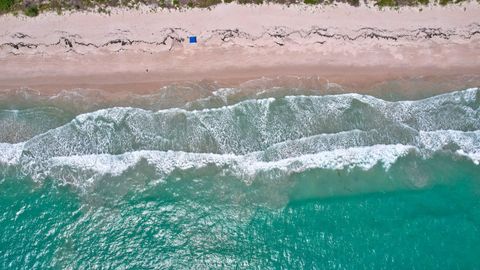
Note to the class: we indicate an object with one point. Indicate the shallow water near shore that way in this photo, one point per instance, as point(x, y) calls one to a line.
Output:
point(293, 180)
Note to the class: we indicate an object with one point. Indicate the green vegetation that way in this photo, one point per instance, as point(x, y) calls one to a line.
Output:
point(386, 3)
point(412, 3)
point(31, 11)
point(206, 3)
point(354, 3)
point(447, 2)
point(6, 5)
point(257, 2)
point(34, 7)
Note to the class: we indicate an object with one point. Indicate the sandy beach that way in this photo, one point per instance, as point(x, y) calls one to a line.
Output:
point(143, 50)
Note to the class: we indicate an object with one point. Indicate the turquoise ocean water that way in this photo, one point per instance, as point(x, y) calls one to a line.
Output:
point(342, 181)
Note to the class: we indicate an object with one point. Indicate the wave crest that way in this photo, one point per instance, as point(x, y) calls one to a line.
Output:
point(275, 135)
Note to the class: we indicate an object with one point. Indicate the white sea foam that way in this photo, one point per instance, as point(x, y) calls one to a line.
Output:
point(247, 167)
point(244, 166)
point(112, 141)
point(224, 93)
point(468, 143)
point(10, 153)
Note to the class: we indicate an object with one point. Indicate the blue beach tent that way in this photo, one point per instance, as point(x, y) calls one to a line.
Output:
point(192, 39)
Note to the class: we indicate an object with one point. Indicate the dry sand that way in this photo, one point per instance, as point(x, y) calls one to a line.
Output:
point(141, 51)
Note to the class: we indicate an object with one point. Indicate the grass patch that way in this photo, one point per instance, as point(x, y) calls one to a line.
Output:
point(311, 2)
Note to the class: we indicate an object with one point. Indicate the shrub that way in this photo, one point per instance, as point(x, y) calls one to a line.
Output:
point(386, 3)
point(6, 5)
point(355, 3)
point(207, 3)
point(31, 11)
point(311, 2)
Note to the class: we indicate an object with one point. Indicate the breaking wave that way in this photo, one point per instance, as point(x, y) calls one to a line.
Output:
point(271, 138)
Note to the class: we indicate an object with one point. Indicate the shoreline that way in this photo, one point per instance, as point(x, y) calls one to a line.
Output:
point(353, 79)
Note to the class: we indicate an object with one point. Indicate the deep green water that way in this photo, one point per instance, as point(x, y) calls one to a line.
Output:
point(317, 182)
